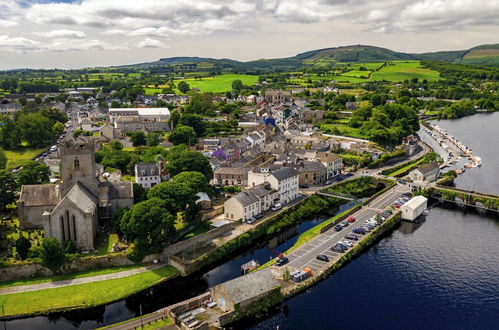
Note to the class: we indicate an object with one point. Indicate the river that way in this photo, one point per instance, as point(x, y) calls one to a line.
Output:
point(173, 291)
point(440, 274)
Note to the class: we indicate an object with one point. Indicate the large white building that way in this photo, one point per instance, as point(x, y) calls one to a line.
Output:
point(154, 114)
point(414, 208)
point(250, 202)
point(285, 181)
point(147, 174)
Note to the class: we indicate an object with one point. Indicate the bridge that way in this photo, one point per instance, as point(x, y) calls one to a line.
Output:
point(462, 197)
point(347, 197)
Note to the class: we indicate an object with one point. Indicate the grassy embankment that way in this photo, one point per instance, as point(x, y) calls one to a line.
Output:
point(19, 157)
point(70, 276)
point(82, 295)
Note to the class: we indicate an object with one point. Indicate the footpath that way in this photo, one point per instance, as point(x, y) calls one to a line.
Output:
point(76, 281)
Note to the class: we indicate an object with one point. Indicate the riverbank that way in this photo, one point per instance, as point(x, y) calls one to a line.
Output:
point(81, 296)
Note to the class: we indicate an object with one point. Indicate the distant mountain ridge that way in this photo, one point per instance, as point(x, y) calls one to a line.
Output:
point(481, 55)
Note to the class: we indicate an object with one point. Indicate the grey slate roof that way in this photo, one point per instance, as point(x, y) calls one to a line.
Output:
point(245, 287)
point(82, 197)
point(285, 173)
point(428, 168)
point(39, 195)
point(147, 169)
point(246, 198)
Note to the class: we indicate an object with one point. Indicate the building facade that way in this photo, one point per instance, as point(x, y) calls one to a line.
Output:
point(147, 174)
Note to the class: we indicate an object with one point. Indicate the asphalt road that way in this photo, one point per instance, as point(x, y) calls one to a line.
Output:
point(305, 256)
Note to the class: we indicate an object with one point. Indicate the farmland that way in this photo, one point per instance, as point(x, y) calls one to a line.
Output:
point(219, 84)
point(404, 70)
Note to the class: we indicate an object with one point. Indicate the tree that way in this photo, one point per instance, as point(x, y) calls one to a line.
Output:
point(8, 187)
point(194, 121)
point(109, 157)
point(116, 145)
point(22, 246)
point(182, 135)
point(35, 129)
point(237, 85)
point(3, 159)
point(33, 173)
point(194, 180)
point(183, 87)
point(152, 139)
point(57, 129)
point(52, 254)
point(190, 161)
point(176, 195)
point(138, 139)
point(174, 119)
point(148, 225)
point(139, 193)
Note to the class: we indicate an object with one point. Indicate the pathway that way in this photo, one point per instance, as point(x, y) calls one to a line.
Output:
point(76, 281)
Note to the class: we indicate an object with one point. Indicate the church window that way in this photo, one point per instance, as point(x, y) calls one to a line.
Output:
point(77, 164)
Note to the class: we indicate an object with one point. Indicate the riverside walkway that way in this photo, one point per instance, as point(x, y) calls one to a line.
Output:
point(76, 281)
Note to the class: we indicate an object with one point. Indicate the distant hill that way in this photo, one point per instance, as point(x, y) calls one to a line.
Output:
point(481, 55)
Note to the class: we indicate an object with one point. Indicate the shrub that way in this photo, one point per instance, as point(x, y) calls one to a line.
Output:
point(52, 254)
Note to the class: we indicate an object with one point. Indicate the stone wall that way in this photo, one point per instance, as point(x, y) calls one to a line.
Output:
point(198, 240)
point(212, 213)
point(31, 270)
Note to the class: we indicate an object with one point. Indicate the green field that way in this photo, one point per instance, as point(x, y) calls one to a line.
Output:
point(70, 276)
point(219, 84)
point(18, 157)
point(402, 70)
point(82, 295)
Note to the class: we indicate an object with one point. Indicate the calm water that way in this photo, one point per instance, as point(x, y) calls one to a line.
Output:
point(443, 274)
point(170, 292)
point(480, 133)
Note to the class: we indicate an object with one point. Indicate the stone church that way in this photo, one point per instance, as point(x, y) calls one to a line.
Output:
point(71, 210)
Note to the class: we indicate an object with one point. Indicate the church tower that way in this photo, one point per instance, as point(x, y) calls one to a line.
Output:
point(78, 164)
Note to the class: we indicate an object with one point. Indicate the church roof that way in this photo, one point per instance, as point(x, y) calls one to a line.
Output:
point(81, 197)
point(116, 190)
point(39, 195)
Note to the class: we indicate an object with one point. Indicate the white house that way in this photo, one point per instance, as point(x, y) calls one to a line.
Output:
point(285, 181)
point(427, 173)
point(147, 174)
point(250, 202)
point(332, 162)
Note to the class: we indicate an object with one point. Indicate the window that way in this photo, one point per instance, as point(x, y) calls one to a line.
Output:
point(77, 163)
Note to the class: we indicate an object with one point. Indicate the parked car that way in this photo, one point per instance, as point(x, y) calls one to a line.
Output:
point(401, 181)
point(359, 231)
point(407, 194)
point(282, 261)
point(259, 216)
point(346, 243)
point(352, 237)
point(338, 248)
point(351, 219)
point(251, 220)
point(338, 228)
point(345, 224)
point(276, 207)
point(322, 257)
point(343, 246)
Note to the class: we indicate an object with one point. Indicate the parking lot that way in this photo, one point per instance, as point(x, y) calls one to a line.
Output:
point(305, 256)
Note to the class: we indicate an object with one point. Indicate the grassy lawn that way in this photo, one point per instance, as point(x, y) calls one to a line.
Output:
point(82, 295)
point(402, 70)
point(410, 165)
point(158, 324)
point(202, 228)
point(70, 276)
point(219, 84)
point(105, 243)
point(18, 157)
point(343, 129)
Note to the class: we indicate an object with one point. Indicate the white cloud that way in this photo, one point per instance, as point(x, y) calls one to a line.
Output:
point(151, 43)
point(18, 43)
point(69, 34)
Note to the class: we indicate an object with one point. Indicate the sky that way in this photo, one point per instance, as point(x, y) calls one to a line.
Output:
point(91, 33)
